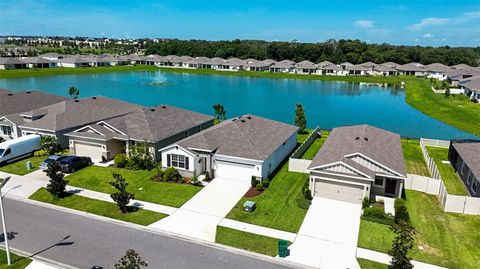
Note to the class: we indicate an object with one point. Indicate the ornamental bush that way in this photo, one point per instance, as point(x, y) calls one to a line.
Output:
point(171, 174)
point(401, 212)
point(121, 160)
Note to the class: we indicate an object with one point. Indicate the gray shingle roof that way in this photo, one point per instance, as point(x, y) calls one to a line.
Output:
point(36, 60)
point(470, 155)
point(377, 144)
point(306, 65)
point(248, 136)
point(10, 60)
point(75, 113)
point(18, 102)
point(437, 67)
point(472, 83)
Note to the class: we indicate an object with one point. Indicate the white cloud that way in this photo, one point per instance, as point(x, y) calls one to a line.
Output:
point(416, 39)
point(428, 22)
point(367, 24)
point(428, 35)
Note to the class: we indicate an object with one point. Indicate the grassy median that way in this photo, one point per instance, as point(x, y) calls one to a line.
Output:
point(97, 207)
point(452, 181)
point(18, 262)
point(248, 241)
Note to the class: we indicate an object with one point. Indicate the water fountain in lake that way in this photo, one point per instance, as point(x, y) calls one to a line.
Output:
point(158, 79)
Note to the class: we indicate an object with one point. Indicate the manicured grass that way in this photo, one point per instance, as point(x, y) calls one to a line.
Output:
point(140, 183)
point(452, 181)
point(414, 161)
point(18, 262)
point(97, 207)
point(248, 241)
point(448, 240)
point(455, 110)
point(366, 264)
point(315, 147)
point(20, 73)
point(20, 168)
point(276, 207)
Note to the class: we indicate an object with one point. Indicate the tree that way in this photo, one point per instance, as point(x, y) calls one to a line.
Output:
point(122, 197)
point(73, 92)
point(131, 260)
point(401, 245)
point(447, 92)
point(57, 184)
point(49, 143)
point(220, 112)
point(300, 118)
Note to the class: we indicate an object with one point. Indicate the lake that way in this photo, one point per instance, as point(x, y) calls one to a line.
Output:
point(327, 104)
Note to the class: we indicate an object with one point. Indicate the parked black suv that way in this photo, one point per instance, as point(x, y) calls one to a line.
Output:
point(71, 164)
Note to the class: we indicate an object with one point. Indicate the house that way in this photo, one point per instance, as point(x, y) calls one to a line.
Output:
point(158, 126)
point(7, 63)
point(455, 76)
point(471, 87)
point(38, 62)
point(13, 104)
point(332, 69)
point(384, 70)
point(204, 62)
point(358, 70)
point(345, 65)
point(67, 116)
point(437, 71)
point(240, 148)
point(285, 66)
point(462, 66)
point(465, 159)
point(305, 67)
point(324, 63)
point(233, 64)
point(390, 64)
point(52, 56)
point(356, 162)
point(412, 69)
point(137, 59)
point(74, 62)
point(255, 65)
point(217, 63)
point(369, 65)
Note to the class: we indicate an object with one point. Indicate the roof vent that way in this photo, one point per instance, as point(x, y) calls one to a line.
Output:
point(242, 120)
point(234, 119)
point(76, 101)
point(29, 92)
point(357, 138)
point(365, 138)
point(249, 117)
point(94, 98)
point(164, 107)
point(152, 109)
point(10, 94)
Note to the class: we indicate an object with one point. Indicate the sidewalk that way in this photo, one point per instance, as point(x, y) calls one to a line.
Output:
point(40, 265)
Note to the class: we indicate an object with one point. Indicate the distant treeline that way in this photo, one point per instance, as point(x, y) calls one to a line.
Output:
point(353, 51)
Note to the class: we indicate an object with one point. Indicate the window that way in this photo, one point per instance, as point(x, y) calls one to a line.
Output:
point(474, 187)
point(469, 179)
point(6, 130)
point(378, 181)
point(179, 161)
point(463, 167)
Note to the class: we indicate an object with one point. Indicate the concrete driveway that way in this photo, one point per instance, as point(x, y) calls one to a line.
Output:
point(199, 216)
point(328, 235)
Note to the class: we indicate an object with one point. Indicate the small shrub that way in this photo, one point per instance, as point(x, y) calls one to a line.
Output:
point(121, 160)
point(171, 174)
point(259, 187)
point(365, 202)
point(401, 212)
point(41, 153)
point(307, 194)
point(376, 214)
point(303, 203)
point(266, 183)
point(253, 182)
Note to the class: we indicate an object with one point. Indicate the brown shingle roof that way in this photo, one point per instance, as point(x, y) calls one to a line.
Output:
point(18, 102)
point(470, 155)
point(248, 136)
point(377, 144)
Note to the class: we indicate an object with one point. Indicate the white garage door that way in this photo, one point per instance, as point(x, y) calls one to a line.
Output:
point(89, 150)
point(339, 191)
point(234, 170)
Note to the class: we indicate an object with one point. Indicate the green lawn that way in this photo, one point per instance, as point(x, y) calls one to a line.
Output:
point(97, 179)
point(18, 262)
point(448, 240)
point(276, 207)
point(248, 241)
point(452, 181)
point(20, 168)
point(315, 147)
point(366, 264)
point(97, 207)
point(414, 161)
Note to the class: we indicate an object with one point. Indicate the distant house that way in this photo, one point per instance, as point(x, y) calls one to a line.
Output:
point(369, 65)
point(7, 63)
point(75, 62)
point(285, 66)
point(383, 70)
point(358, 70)
point(332, 69)
point(345, 65)
point(437, 70)
point(67, 116)
point(240, 148)
point(158, 126)
point(464, 155)
point(356, 162)
point(471, 87)
point(324, 63)
point(38, 62)
point(456, 76)
point(52, 56)
point(390, 64)
point(255, 65)
point(233, 64)
point(412, 69)
point(13, 105)
point(305, 67)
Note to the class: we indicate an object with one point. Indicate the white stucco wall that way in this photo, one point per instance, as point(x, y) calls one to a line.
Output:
point(178, 150)
point(279, 155)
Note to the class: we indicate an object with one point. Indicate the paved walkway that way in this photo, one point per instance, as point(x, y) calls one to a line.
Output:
point(199, 216)
point(328, 235)
point(385, 259)
point(39, 265)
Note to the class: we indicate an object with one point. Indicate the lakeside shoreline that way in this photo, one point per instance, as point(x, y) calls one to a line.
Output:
point(454, 111)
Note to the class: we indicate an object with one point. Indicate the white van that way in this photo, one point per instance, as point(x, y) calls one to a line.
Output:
point(17, 148)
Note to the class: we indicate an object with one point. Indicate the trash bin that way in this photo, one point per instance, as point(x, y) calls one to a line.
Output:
point(29, 165)
point(282, 248)
point(249, 206)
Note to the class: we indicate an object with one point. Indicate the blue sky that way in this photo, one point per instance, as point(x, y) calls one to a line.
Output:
point(454, 23)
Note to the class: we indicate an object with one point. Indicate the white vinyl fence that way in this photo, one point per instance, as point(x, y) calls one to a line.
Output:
point(450, 203)
point(295, 164)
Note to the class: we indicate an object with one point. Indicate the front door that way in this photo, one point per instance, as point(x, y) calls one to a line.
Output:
point(390, 187)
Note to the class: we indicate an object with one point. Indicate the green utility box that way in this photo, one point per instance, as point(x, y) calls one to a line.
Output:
point(282, 248)
point(249, 206)
point(29, 165)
